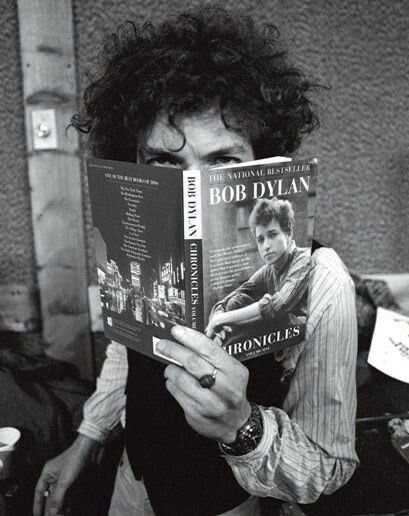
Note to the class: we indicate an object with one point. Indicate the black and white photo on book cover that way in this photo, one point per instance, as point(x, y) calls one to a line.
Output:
point(242, 277)
point(256, 255)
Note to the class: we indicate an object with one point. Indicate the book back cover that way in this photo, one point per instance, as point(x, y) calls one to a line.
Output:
point(138, 233)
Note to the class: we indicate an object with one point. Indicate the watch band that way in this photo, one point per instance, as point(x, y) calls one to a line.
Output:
point(248, 436)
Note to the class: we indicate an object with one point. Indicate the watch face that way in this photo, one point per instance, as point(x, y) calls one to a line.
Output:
point(248, 436)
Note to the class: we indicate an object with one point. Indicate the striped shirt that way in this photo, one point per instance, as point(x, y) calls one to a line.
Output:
point(308, 446)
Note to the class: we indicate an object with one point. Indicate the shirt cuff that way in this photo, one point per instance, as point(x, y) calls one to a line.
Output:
point(270, 431)
point(94, 431)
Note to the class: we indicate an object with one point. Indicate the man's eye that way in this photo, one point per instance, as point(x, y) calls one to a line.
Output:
point(160, 161)
point(225, 160)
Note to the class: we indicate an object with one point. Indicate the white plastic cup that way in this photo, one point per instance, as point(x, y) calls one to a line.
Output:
point(9, 437)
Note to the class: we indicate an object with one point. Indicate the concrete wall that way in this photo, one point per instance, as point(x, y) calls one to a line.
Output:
point(16, 255)
point(359, 48)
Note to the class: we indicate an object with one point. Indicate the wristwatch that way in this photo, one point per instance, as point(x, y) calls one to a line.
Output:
point(248, 436)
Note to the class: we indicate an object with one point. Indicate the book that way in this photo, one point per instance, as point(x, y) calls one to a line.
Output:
point(178, 247)
point(389, 350)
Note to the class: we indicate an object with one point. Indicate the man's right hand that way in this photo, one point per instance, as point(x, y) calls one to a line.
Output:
point(60, 473)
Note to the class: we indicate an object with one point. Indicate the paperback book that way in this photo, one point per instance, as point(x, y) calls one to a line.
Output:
point(225, 251)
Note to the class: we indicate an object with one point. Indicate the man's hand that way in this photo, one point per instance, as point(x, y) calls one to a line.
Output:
point(60, 473)
point(217, 412)
point(217, 325)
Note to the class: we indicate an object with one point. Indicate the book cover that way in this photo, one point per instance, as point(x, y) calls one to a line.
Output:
point(138, 240)
point(178, 247)
point(246, 259)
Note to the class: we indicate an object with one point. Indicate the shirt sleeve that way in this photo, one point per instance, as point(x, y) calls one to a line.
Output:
point(103, 410)
point(292, 290)
point(307, 447)
point(248, 292)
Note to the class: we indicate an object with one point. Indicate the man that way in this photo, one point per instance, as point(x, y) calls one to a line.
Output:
point(198, 91)
point(279, 288)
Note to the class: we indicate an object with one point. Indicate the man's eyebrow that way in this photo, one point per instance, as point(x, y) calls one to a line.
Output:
point(233, 149)
point(146, 150)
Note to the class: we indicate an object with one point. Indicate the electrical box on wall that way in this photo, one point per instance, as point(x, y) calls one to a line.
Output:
point(44, 129)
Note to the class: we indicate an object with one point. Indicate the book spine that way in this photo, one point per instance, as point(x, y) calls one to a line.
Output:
point(193, 247)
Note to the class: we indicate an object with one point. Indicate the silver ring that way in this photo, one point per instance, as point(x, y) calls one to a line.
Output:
point(208, 380)
point(46, 493)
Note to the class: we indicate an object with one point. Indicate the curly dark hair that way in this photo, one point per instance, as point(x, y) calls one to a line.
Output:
point(187, 65)
point(265, 210)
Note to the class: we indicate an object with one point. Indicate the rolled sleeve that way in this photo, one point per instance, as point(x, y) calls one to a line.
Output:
point(104, 409)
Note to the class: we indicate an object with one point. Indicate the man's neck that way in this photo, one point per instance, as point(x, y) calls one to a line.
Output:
point(283, 259)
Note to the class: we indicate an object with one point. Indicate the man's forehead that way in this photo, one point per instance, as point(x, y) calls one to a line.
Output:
point(264, 228)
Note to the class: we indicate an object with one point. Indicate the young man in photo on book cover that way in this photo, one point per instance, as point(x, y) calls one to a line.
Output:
point(278, 291)
point(214, 436)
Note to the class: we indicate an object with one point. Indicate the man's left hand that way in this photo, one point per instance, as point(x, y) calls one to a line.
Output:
point(218, 412)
